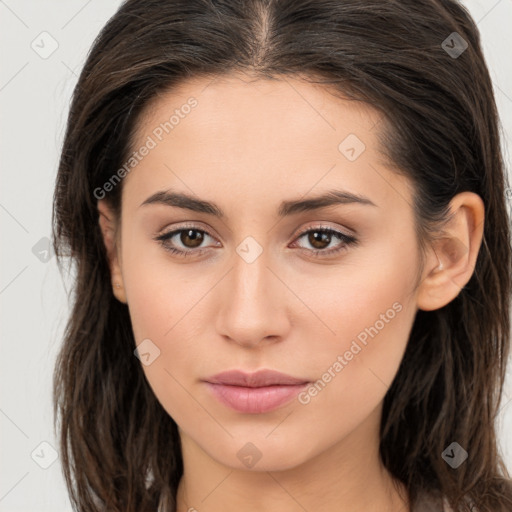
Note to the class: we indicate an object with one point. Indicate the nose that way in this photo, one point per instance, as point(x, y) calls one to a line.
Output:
point(253, 303)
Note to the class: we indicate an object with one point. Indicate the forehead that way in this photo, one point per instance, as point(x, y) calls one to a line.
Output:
point(257, 138)
point(236, 99)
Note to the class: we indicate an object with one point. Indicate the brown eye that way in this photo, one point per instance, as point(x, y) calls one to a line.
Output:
point(184, 242)
point(319, 239)
point(190, 238)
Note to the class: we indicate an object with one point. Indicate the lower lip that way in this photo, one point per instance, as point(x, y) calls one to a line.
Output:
point(255, 400)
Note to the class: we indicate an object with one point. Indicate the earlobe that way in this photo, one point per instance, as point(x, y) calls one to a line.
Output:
point(109, 233)
point(452, 258)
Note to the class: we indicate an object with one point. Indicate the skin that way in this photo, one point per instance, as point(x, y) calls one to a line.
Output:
point(247, 146)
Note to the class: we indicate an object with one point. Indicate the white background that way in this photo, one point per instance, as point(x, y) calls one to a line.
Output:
point(34, 97)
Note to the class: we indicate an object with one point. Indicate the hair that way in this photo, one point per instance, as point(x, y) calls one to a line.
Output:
point(440, 128)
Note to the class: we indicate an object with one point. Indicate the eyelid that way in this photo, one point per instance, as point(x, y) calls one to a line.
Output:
point(345, 239)
point(346, 232)
point(197, 225)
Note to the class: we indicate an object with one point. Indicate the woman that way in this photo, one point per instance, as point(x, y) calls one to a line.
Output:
point(293, 261)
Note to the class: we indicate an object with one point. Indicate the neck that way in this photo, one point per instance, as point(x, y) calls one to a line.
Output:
point(348, 477)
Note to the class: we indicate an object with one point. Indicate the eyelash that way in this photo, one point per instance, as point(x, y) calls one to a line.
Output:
point(346, 239)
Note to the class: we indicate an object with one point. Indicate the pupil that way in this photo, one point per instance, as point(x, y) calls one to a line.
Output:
point(196, 240)
point(319, 237)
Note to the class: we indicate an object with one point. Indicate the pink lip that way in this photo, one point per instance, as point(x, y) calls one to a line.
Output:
point(257, 392)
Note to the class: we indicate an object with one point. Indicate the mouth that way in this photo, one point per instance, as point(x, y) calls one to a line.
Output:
point(254, 393)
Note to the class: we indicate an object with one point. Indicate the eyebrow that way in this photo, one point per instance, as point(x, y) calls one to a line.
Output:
point(329, 198)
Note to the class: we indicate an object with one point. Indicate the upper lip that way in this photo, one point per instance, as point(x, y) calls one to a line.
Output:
point(257, 379)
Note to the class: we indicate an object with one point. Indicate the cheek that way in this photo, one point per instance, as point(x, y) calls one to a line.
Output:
point(161, 317)
point(164, 310)
point(356, 367)
point(163, 303)
point(369, 311)
point(160, 293)
point(356, 370)
point(370, 295)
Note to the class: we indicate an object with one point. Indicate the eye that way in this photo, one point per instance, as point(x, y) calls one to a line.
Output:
point(321, 237)
point(191, 238)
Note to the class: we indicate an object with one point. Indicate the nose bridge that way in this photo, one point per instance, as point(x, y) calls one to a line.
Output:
point(252, 298)
point(250, 273)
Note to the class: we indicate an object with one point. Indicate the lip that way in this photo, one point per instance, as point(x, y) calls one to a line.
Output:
point(254, 393)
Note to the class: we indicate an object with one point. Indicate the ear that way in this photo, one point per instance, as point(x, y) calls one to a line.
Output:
point(112, 244)
point(452, 258)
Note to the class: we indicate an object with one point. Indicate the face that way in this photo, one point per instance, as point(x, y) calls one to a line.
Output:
point(322, 291)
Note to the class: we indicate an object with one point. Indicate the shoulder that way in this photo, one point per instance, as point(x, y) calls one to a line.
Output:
point(446, 506)
point(469, 501)
point(436, 503)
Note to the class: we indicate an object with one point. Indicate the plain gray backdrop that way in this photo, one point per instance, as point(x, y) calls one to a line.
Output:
point(43, 47)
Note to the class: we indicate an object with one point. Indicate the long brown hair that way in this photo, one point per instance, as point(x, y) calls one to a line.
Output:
point(120, 448)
